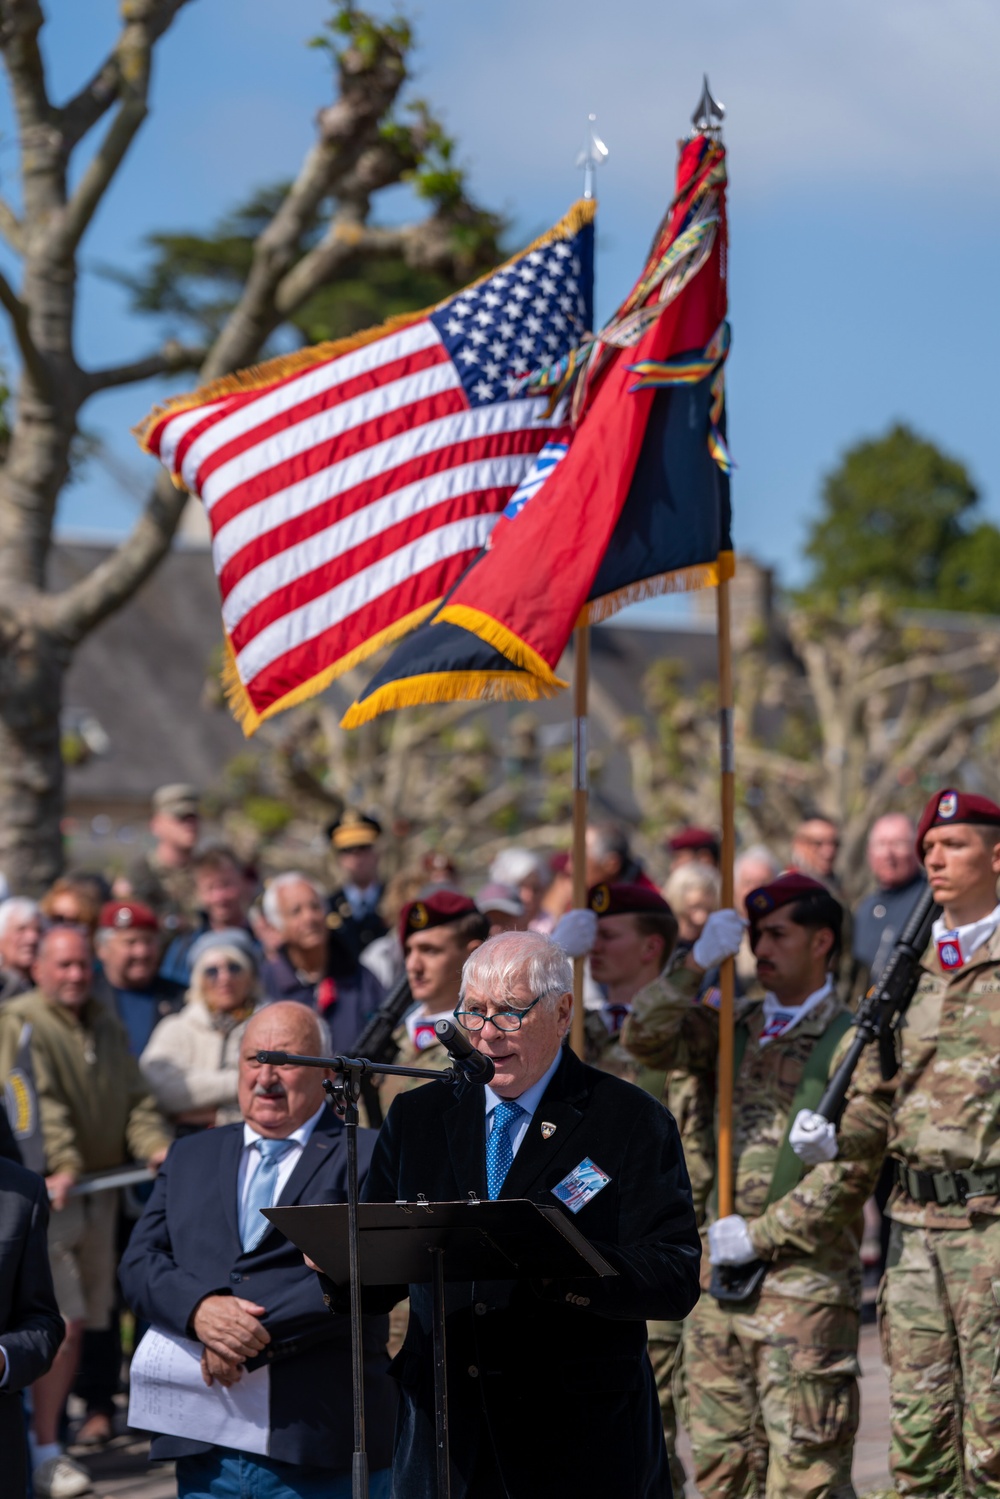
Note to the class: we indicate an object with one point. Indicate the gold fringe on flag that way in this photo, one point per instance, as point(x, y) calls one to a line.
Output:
point(449, 687)
point(250, 719)
point(259, 376)
point(683, 580)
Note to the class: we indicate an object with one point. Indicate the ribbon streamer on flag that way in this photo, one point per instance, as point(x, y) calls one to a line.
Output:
point(348, 486)
point(635, 504)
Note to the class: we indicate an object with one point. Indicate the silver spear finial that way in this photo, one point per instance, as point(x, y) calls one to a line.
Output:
point(594, 153)
point(709, 113)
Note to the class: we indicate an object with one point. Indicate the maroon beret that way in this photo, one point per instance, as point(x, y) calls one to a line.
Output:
point(440, 908)
point(693, 838)
point(128, 916)
point(947, 808)
point(625, 900)
point(788, 887)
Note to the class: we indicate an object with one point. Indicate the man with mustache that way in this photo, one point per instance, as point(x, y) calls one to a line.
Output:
point(773, 1377)
point(205, 1265)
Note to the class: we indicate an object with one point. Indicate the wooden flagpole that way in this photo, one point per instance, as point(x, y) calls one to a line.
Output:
point(581, 672)
point(727, 974)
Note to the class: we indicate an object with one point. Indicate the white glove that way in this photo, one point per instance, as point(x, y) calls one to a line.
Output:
point(729, 1242)
point(721, 937)
point(813, 1138)
point(576, 932)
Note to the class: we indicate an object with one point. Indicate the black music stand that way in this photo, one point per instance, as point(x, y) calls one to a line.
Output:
point(404, 1243)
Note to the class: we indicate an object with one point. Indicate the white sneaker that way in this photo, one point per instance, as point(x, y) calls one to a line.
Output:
point(61, 1478)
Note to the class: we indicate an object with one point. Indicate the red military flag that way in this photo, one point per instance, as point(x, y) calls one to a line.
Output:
point(348, 486)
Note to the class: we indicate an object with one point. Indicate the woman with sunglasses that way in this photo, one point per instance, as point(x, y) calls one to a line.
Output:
point(192, 1059)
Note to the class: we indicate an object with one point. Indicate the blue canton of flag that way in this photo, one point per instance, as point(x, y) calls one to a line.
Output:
point(526, 315)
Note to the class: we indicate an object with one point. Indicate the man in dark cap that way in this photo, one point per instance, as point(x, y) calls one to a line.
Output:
point(693, 845)
point(782, 1362)
point(163, 878)
point(355, 903)
point(938, 1301)
point(438, 932)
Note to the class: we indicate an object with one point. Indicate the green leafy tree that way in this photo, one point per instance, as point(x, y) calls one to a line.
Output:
point(898, 516)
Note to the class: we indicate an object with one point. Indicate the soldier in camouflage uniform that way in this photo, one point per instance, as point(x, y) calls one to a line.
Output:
point(437, 934)
point(938, 1302)
point(772, 1379)
point(636, 934)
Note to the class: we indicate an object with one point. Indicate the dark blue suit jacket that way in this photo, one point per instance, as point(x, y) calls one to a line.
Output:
point(187, 1246)
point(31, 1328)
point(554, 1376)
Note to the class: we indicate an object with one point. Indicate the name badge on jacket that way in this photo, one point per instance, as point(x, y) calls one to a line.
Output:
point(583, 1183)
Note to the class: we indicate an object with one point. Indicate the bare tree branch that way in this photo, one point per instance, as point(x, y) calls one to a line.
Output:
point(18, 314)
point(20, 23)
point(171, 359)
point(76, 610)
point(80, 114)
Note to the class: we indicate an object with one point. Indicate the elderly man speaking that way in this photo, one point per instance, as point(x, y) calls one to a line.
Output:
point(549, 1385)
point(204, 1265)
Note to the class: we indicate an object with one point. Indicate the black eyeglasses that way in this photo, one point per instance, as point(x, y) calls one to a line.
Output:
point(215, 969)
point(504, 1020)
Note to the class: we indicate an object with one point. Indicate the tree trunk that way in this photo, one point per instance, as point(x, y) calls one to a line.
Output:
point(32, 667)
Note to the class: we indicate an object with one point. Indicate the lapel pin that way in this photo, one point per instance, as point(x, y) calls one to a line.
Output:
point(548, 1130)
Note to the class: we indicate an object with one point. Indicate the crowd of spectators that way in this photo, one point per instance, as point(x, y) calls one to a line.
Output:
point(137, 989)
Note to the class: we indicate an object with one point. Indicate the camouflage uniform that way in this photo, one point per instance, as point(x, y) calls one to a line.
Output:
point(938, 1301)
point(690, 1097)
point(773, 1384)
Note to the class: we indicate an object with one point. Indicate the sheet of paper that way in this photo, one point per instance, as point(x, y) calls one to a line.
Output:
point(168, 1394)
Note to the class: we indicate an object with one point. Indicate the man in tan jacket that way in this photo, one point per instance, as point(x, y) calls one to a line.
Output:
point(95, 1113)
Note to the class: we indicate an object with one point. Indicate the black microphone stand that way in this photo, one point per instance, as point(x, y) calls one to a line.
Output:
point(344, 1091)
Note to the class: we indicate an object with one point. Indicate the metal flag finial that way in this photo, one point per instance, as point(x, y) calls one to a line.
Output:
point(594, 153)
point(709, 113)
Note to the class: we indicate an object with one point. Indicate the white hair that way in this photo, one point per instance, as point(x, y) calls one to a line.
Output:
point(512, 866)
point(758, 853)
point(509, 959)
point(18, 908)
point(270, 904)
point(692, 879)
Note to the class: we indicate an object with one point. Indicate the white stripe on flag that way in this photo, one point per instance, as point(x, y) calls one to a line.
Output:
point(178, 425)
point(311, 382)
point(297, 561)
point(361, 468)
point(302, 436)
point(312, 619)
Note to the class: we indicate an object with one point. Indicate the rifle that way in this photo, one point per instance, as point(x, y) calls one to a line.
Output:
point(375, 1040)
point(885, 1004)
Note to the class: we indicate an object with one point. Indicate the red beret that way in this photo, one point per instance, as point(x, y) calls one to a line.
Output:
point(440, 908)
point(128, 916)
point(559, 863)
point(947, 808)
point(788, 887)
point(625, 900)
point(693, 838)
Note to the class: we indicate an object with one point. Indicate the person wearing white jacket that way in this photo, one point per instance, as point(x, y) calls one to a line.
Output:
point(191, 1061)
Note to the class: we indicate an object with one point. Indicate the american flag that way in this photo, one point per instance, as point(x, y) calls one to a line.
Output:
point(349, 487)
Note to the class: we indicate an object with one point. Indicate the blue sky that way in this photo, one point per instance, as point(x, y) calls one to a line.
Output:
point(864, 203)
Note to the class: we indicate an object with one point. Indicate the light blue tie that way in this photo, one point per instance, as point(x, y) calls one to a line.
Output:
point(260, 1193)
point(499, 1148)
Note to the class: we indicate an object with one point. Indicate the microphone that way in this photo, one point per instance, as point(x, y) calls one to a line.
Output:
point(470, 1062)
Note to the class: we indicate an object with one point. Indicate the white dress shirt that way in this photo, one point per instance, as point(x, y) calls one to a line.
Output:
point(971, 937)
point(250, 1159)
point(529, 1101)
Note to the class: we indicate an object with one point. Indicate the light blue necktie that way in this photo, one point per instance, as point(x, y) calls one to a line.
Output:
point(499, 1148)
point(260, 1193)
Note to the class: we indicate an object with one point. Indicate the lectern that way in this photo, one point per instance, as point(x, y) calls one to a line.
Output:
point(405, 1243)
